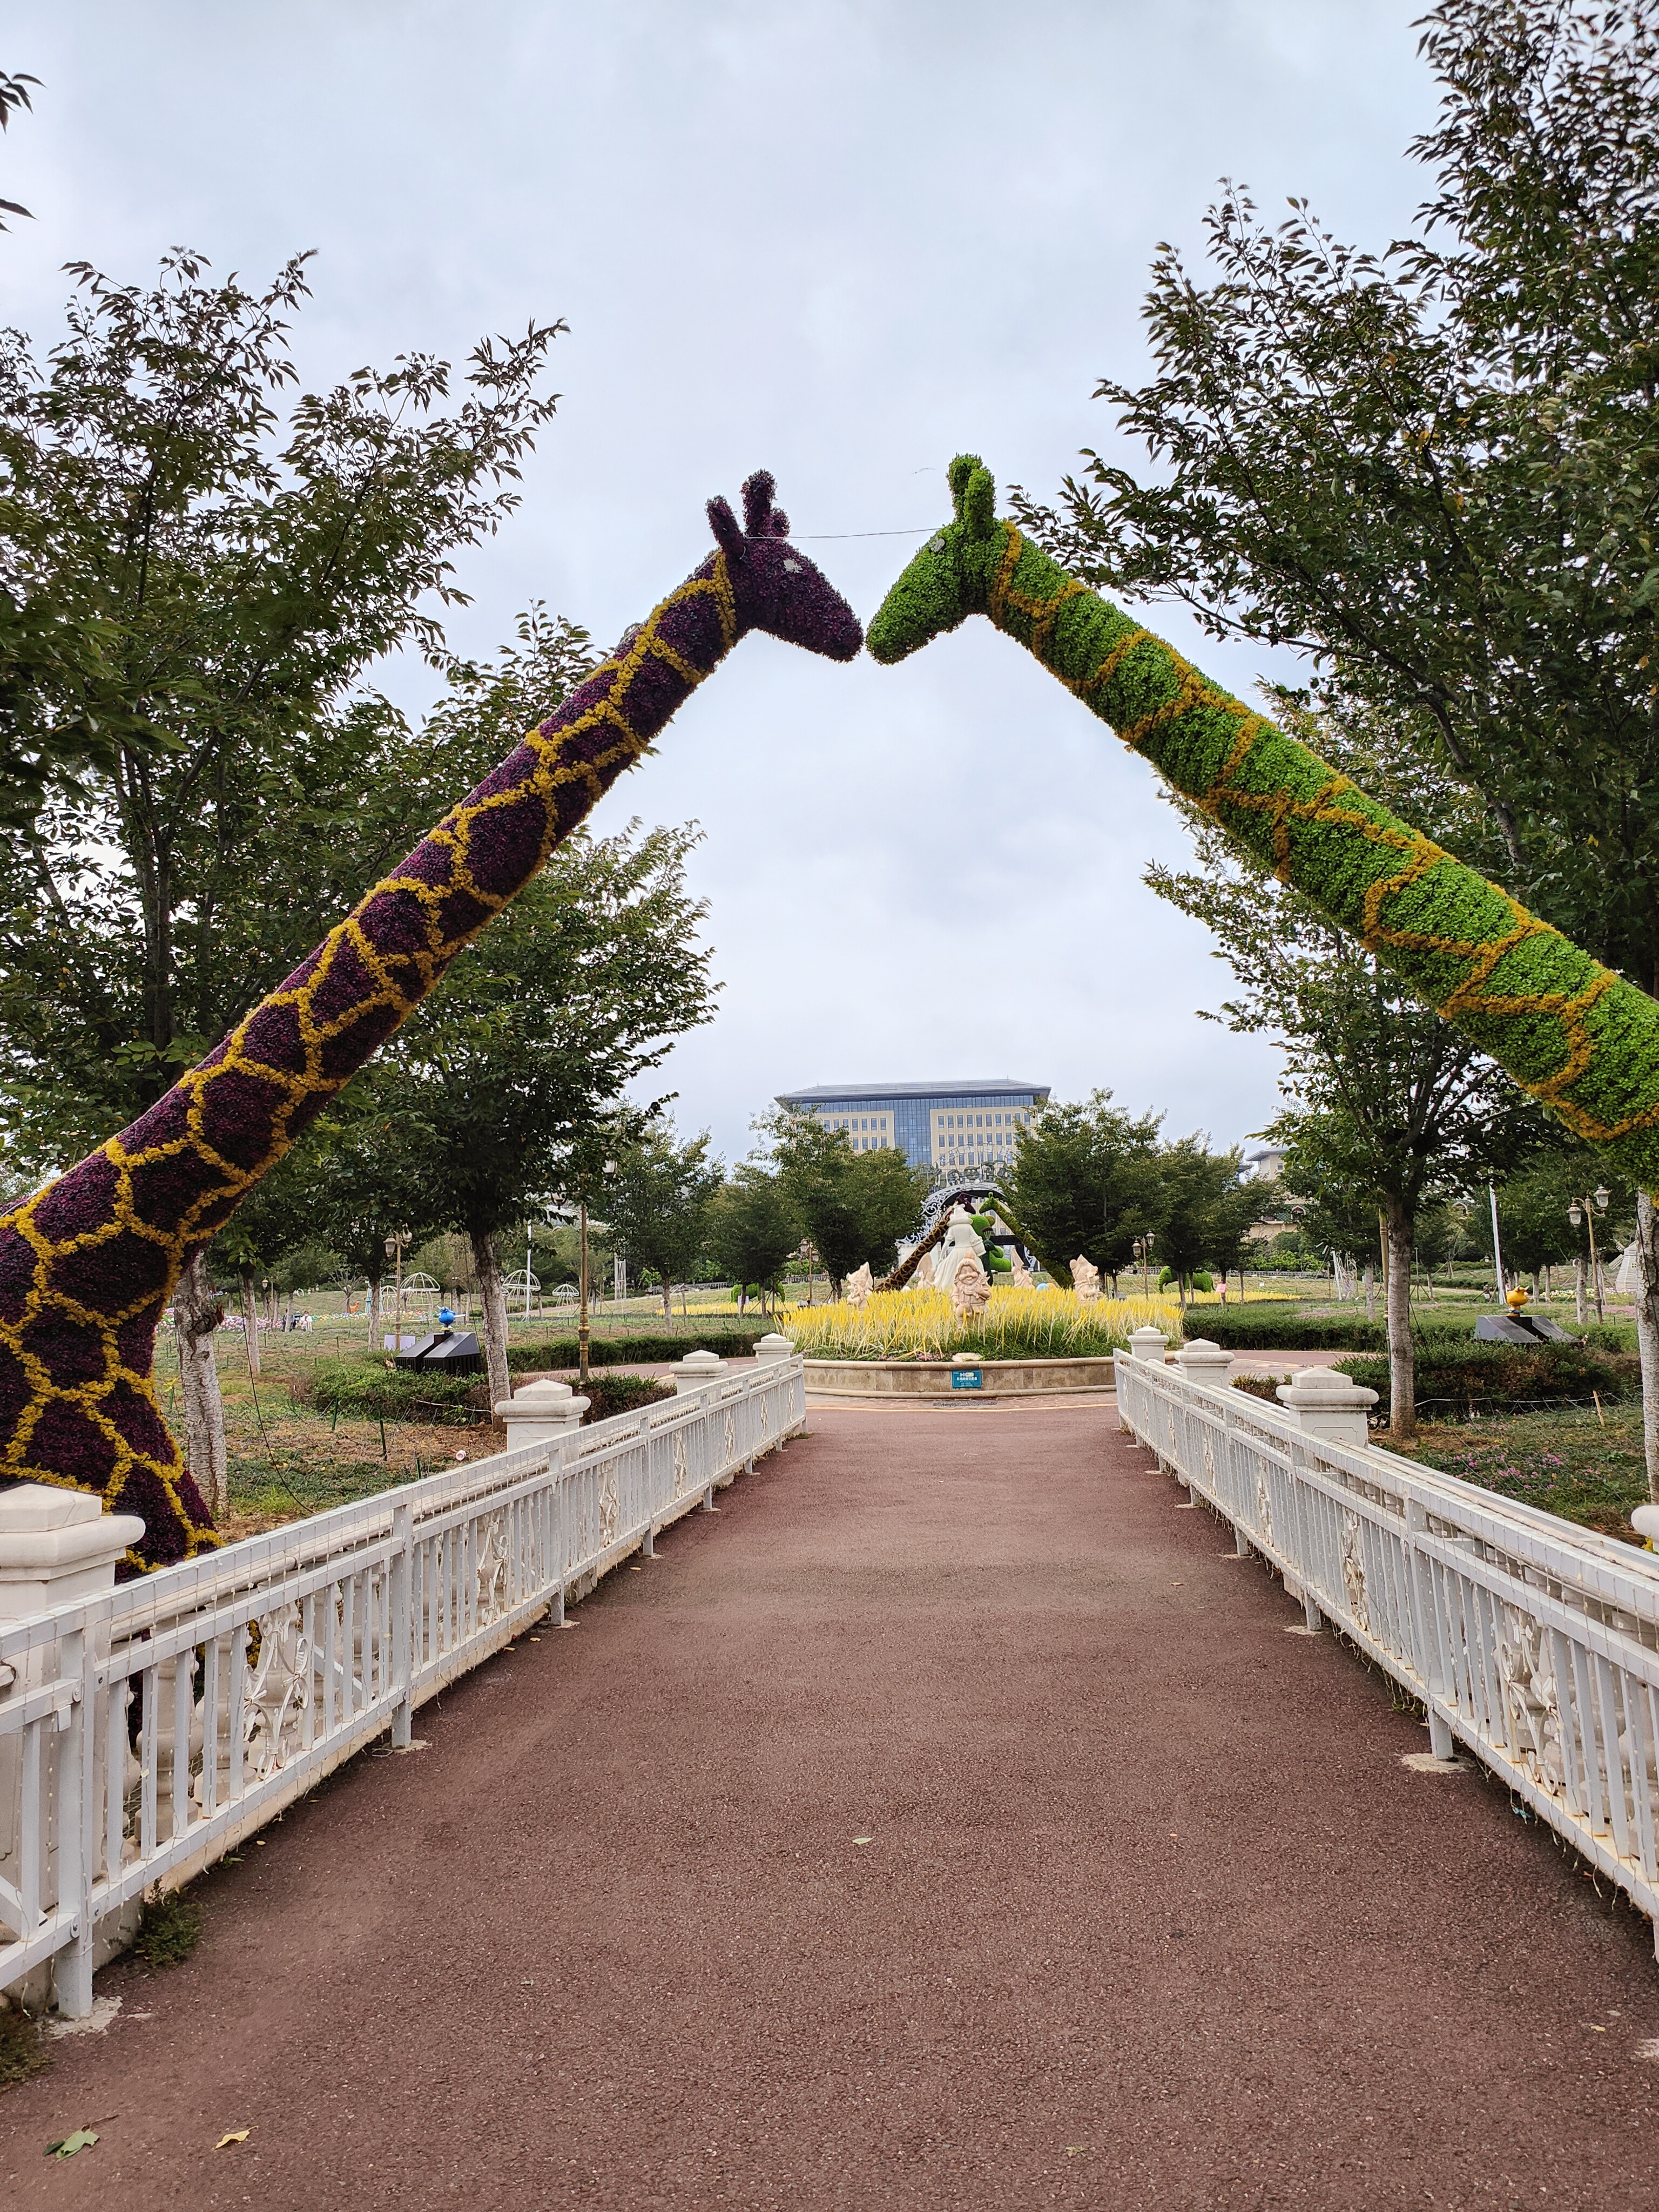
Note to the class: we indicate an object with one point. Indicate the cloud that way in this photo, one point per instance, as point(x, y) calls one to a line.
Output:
point(842, 239)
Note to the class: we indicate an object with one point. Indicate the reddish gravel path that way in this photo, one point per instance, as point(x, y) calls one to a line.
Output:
point(1150, 1915)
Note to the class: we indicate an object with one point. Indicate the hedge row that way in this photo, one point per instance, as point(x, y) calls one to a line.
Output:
point(1454, 1380)
point(1272, 1326)
point(366, 1391)
point(635, 1350)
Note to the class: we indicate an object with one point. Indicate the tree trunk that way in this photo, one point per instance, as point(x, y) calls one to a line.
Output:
point(372, 1302)
point(1402, 1358)
point(667, 1299)
point(1647, 1329)
point(1578, 1292)
point(1368, 1280)
point(250, 1322)
point(493, 1298)
point(198, 1313)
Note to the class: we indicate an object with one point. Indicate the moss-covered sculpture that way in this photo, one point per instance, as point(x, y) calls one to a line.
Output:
point(87, 1265)
point(1568, 1030)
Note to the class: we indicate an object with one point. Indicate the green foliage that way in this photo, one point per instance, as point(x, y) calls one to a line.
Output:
point(221, 562)
point(1085, 1182)
point(1455, 1378)
point(168, 1930)
point(853, 1206)
point(752, 1234)
point(1587, 1466)
point(656, 1202)
point(622, 1393)
point(1533, 1217)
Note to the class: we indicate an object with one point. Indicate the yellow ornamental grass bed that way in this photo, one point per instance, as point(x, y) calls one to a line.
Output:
point(1016, 1325)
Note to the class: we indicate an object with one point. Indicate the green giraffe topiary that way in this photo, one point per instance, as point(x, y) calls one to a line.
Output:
point(1575, 1036)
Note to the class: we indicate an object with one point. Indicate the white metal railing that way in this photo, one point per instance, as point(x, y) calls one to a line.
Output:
point(1535, 1642)
point(143, 1731)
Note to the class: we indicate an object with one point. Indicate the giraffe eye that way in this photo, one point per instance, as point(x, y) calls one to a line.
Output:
point(792, 568)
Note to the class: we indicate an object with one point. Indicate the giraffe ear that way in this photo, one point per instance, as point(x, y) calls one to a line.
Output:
point(724, 523)
point(779, 524)
point(979, 504)
point(957, 476)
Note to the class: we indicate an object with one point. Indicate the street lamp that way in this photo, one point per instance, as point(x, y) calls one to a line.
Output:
point(1585, 1210)
point(1143, 1250)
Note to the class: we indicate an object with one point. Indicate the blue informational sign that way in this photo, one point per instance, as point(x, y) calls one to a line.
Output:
point(967, 1378)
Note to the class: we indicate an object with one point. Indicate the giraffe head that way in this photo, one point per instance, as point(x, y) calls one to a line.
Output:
point(775, 587)
point(950, 578)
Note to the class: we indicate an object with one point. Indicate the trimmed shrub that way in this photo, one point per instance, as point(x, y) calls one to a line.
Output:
point(728, 1342)
point(1456, 1379)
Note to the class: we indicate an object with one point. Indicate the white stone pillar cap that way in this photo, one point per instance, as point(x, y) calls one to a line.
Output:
point(774, 1347)
point(1201, 1358)
point(697, 1367)
point(1322, 1389)
point(45, 1531)
point(1148, 1343)
point(1645, 1522)
point(537, 1399)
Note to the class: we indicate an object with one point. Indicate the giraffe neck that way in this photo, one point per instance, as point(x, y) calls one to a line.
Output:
point(1577, 1036)
point(87, 1265)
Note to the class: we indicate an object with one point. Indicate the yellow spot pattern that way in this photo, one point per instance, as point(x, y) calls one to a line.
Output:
point(395, 983)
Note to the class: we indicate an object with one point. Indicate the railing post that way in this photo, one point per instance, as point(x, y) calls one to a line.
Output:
point(1429, 1658)
point(403, 1625)
point(76, 1750)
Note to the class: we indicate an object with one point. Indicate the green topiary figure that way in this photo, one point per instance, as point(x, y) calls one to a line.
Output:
point(1569, 1031)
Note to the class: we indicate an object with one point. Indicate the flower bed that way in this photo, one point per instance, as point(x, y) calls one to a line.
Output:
point(1016, 1325)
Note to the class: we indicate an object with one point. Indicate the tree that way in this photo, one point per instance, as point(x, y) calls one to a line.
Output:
point(1435, 471)
point(656, 1202)
point(1207, 1204)
point(1534, 1220)
point(237, 564)
point(511, 1073)
point(752, 1234)
point(1403, 1108)
point(1084, 1184)
point(854, 1207)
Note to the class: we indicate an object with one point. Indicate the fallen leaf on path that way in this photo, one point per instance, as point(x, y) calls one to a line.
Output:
point(66, 2146)
point(236, 2136)
point(864, 1839)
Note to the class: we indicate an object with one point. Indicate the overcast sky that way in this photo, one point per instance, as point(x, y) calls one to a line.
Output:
point(838, 238)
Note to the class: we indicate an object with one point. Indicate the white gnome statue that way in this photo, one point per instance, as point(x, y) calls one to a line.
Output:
point(1019, 1275)
point(858, 1286)
point(962, 1241)
point(1085, 1279)
point(970, 1288)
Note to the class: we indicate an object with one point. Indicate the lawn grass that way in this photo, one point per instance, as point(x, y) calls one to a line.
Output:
point(1566, 1460)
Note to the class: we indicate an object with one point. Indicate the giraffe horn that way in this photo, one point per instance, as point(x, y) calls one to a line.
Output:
point(724, 523)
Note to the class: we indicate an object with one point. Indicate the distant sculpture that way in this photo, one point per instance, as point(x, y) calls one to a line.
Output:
point(1085, 1279)
point(1020, 1273)
point(962, 1241)
point(858, 1286)
point(970, 1288)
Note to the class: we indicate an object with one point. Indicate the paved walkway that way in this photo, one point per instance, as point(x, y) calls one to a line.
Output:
point(1149, 1913)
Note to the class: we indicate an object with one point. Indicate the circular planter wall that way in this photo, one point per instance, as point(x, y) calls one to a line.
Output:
point(919, 1378)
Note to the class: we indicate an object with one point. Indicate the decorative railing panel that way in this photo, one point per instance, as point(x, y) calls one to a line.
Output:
point(1532, 1642)
point(142, 1732)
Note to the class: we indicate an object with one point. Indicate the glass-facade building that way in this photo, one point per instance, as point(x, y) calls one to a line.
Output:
point(934, 1124)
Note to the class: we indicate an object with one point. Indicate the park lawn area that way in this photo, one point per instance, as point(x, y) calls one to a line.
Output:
point(1564, 1459)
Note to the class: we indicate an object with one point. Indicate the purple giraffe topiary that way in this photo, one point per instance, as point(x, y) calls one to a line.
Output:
point(87, 1265)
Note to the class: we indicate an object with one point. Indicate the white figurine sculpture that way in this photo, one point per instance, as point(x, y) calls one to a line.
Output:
point(1019, 1275)
point(962, 1241)
point(858, 1286)
point(1085, 1279)
point(970, 1288)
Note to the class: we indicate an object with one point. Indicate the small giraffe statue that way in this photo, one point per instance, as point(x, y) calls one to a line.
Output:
point(1575, 1036)
point(87, 1265)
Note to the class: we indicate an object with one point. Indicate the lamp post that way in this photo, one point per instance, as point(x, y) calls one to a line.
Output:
point(1585, 1210)
point(1143, 1251)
